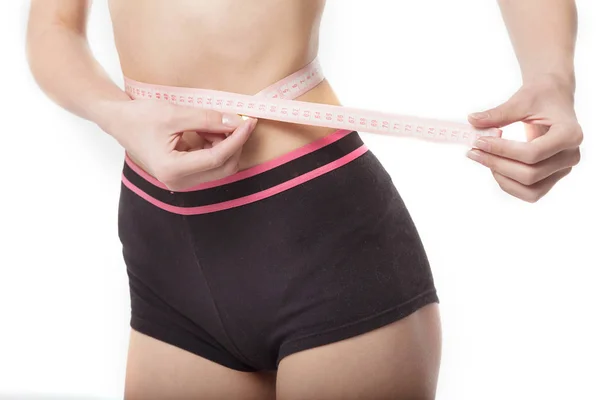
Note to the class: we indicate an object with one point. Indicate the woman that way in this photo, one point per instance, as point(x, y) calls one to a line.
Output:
point(268, 259)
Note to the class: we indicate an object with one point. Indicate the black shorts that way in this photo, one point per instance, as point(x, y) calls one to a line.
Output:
point(310, 248)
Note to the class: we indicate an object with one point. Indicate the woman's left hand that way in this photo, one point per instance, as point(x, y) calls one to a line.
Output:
point(528, 170)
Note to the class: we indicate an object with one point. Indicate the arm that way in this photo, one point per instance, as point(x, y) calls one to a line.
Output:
point(151, 131)
point(543, 34)
point(62, 63)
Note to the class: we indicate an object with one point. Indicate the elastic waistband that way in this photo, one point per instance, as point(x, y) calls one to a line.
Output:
point(253, 184)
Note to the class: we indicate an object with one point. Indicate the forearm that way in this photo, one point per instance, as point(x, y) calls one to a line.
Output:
point(543, 35)
point(64, 67)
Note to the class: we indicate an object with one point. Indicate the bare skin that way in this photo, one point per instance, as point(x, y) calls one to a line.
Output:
point(399, 361)
point(281, 46)
point(159, 371)
point(545, 48)
point(251, 45)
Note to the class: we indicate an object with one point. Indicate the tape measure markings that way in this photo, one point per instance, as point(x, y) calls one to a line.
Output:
point(276, 103)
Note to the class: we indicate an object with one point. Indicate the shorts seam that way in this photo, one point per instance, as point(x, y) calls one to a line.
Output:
point(183, 339)
point(396, 312)
point(210, 293)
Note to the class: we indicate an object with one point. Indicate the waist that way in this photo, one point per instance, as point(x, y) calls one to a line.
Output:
point(292, 170)
point(270, 138)
point(289, 101)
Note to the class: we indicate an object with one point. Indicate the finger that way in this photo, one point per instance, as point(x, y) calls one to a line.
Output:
point(183, 146)
point(212, 137)
point(212, 143)
point(231, 166)
point(524, 173)
point(533, 193)
point(558, 138)
point(188, 118)
point(187, 141)
point(513, 110)
point(535, 130)
point(206, 159)
point(229, 145)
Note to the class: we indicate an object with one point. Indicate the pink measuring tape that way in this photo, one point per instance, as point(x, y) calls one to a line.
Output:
point(276, 103)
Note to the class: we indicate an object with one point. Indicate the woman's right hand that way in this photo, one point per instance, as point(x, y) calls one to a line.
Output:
point(152, 133)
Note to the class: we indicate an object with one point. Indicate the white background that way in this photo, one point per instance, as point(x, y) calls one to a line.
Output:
point(518, 282)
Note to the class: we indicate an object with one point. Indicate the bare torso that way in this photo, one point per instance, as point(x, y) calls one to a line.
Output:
point(233, 45)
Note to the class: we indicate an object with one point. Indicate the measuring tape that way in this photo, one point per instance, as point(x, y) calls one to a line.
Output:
point(276, 103)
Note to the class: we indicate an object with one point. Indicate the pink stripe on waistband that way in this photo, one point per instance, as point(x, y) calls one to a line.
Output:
point(255, 170)
point(253, 197)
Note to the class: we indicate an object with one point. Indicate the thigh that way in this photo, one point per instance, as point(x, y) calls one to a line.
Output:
point(398, 361)
point(157, 370)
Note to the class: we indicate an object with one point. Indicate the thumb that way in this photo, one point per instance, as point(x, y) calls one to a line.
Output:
point(505, 114)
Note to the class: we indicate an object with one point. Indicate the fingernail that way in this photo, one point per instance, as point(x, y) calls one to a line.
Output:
point(232, 120)
point(475, 155)
point(479, 115)
point(483, 145)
